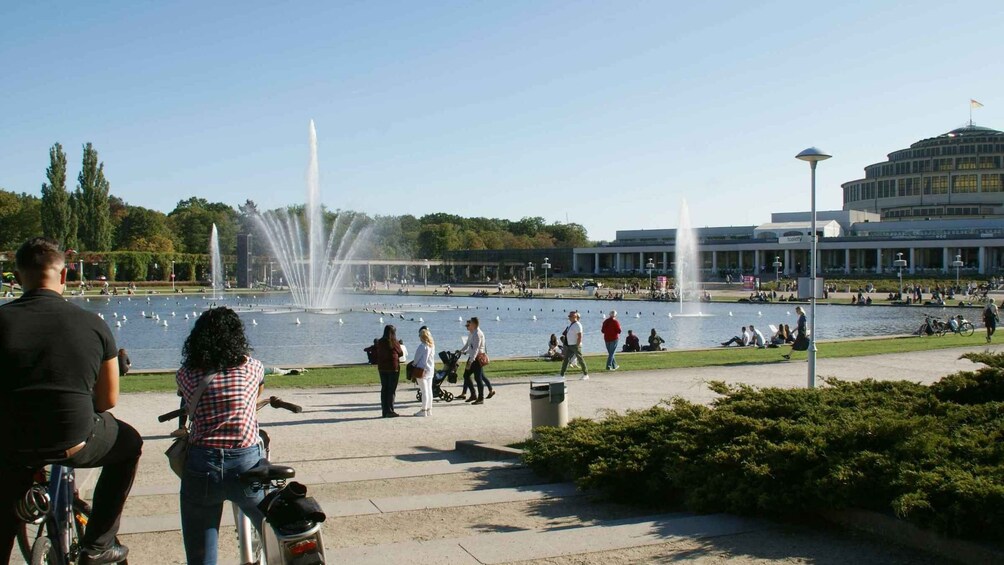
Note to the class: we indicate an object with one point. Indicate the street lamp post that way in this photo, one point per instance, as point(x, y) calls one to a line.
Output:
point(812, 155)
point(650, 265)
point(777, 269)
point(900, 262)
point(957, 263)
point(172, 277)
point(426, 274)
point(529, 273)
point(545, 266)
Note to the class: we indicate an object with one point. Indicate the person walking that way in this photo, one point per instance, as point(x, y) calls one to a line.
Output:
point(611, 329)
point(61, 378)
point(990, 318)
point(572, 338)
point(425, 360)
point(475, 345)
point(801, 342)
point(223, 439)
point(389, 367)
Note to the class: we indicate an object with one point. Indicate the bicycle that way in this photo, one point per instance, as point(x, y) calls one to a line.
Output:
point(54, 505)
point(294, 533)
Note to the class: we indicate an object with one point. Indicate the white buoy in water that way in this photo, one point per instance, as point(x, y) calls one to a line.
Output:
point(759, 313)
point(534, 317)
point(88, 299)
point(298, 321)
point(123, 318)
point(100, 315)
point(730, 313)
point(421, 321)
point(497, 319)
point(118, 324)
point(173, 314)
point(254, 322)
point(670, 314)
point(142, 313)
point(788, 313)
point(164, 323)
point(638, 315)
point(340, 322)
point(115, 314)
point(186, 316)
point(381, 319)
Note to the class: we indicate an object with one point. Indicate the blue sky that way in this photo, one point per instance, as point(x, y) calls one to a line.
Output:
point(601, 113)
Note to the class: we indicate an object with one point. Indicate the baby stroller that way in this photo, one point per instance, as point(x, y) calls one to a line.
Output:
point(450, 360)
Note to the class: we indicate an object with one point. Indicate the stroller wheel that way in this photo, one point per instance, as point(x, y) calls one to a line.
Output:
point(418, 395)
point(448, 396)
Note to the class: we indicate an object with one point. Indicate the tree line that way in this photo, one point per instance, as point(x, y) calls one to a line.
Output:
point(90, 219)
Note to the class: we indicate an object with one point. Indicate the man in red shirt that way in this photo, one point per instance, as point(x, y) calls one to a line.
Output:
point(611, 329)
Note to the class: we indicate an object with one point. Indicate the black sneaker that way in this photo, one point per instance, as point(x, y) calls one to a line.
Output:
point(491, 393)
point(479, 401)
point(114, 554)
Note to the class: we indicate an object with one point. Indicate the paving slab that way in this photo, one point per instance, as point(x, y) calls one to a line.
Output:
point(506, 547)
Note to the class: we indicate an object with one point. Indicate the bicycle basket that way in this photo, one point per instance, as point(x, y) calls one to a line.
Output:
point(34, 505)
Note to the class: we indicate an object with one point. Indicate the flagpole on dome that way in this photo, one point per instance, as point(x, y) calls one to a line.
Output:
point(973, 104)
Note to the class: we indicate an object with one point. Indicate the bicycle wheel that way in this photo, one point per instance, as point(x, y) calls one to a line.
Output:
point(24, 541)
point(967, 329)
point(42, 552)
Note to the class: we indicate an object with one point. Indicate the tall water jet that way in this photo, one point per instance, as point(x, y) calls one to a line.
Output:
point(688, 262)
point(215, 262)
point(314, 264)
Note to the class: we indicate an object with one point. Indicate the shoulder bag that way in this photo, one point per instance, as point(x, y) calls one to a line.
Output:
point(177, 453)
point(415, 372)
point(482, 357)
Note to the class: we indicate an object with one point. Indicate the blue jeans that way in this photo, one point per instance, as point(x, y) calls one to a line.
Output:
point(611, 349)
point(210, 480)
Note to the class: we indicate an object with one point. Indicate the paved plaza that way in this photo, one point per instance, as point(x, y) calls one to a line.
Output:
point(356, 461)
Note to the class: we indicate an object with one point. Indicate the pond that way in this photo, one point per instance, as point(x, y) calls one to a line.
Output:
point(513, 327)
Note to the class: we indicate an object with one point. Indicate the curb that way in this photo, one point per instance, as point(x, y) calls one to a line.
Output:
point(903, 533)
point(487, 451)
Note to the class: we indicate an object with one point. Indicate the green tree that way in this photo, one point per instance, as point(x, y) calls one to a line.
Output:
point(94, 227)
point(20, 219)
point(191, 223)
point(55, 210)
point(142, 229)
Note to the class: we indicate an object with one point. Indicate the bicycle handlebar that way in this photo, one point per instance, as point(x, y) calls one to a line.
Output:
point(273, 401)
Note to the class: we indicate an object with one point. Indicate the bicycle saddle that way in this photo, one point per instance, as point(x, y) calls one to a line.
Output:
point(264, 471)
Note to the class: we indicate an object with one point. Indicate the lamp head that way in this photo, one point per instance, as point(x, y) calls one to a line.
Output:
point(813, 154)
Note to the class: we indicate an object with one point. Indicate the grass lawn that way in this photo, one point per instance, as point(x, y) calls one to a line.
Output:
point(506, 368)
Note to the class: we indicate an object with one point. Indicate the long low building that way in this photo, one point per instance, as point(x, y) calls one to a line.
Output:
point(925, 211)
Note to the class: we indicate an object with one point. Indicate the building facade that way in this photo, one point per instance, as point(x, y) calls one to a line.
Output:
point(939, 205)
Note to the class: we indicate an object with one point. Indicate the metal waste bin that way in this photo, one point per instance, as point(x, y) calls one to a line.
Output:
point(547, 403)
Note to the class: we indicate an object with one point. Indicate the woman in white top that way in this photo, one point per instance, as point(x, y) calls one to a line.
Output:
point(425, 360)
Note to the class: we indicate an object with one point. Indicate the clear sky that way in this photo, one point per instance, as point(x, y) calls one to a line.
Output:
point(604, 113)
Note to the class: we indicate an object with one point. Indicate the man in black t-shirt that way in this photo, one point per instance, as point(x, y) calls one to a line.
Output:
point(60, 376)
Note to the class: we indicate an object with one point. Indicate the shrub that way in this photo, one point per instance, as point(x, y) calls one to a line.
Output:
point(931, 455)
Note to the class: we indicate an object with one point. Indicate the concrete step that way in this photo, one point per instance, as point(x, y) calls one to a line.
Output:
point(345, 508)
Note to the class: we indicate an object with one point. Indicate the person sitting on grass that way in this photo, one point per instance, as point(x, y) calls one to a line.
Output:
point(631, 343)
point(655, 342)
point(743, 339)
point(756, 338)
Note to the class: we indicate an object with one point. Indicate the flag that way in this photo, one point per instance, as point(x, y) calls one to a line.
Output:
point(974, 104)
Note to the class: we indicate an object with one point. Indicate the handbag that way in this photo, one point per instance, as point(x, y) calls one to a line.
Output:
point(482, 359)
point(177, 452)
point(415, 372)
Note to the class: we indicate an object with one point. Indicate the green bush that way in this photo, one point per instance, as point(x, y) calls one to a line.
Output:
point(932, 455)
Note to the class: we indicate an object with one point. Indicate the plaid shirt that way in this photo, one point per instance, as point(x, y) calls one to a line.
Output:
point(226, 416)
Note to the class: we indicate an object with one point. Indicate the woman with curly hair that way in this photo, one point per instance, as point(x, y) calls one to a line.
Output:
point(220, 384)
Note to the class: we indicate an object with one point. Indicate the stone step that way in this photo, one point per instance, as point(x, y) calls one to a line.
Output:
point(344, 508)
point(321, 473)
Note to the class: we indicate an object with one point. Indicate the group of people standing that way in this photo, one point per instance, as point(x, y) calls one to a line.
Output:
point(388, 353)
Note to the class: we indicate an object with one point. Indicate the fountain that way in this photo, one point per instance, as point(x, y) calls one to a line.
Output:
point(313, 264)
point(216, 264)
point(688, 265)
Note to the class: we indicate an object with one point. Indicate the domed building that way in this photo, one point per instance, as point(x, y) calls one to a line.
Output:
point(938, 206)
point(958, 174)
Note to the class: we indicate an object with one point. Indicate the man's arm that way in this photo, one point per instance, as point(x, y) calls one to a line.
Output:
point(106, 389)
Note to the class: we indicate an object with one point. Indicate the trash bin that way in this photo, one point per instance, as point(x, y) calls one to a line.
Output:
point(547, 403)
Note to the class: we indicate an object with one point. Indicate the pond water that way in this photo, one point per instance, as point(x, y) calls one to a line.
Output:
point(513, 327)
